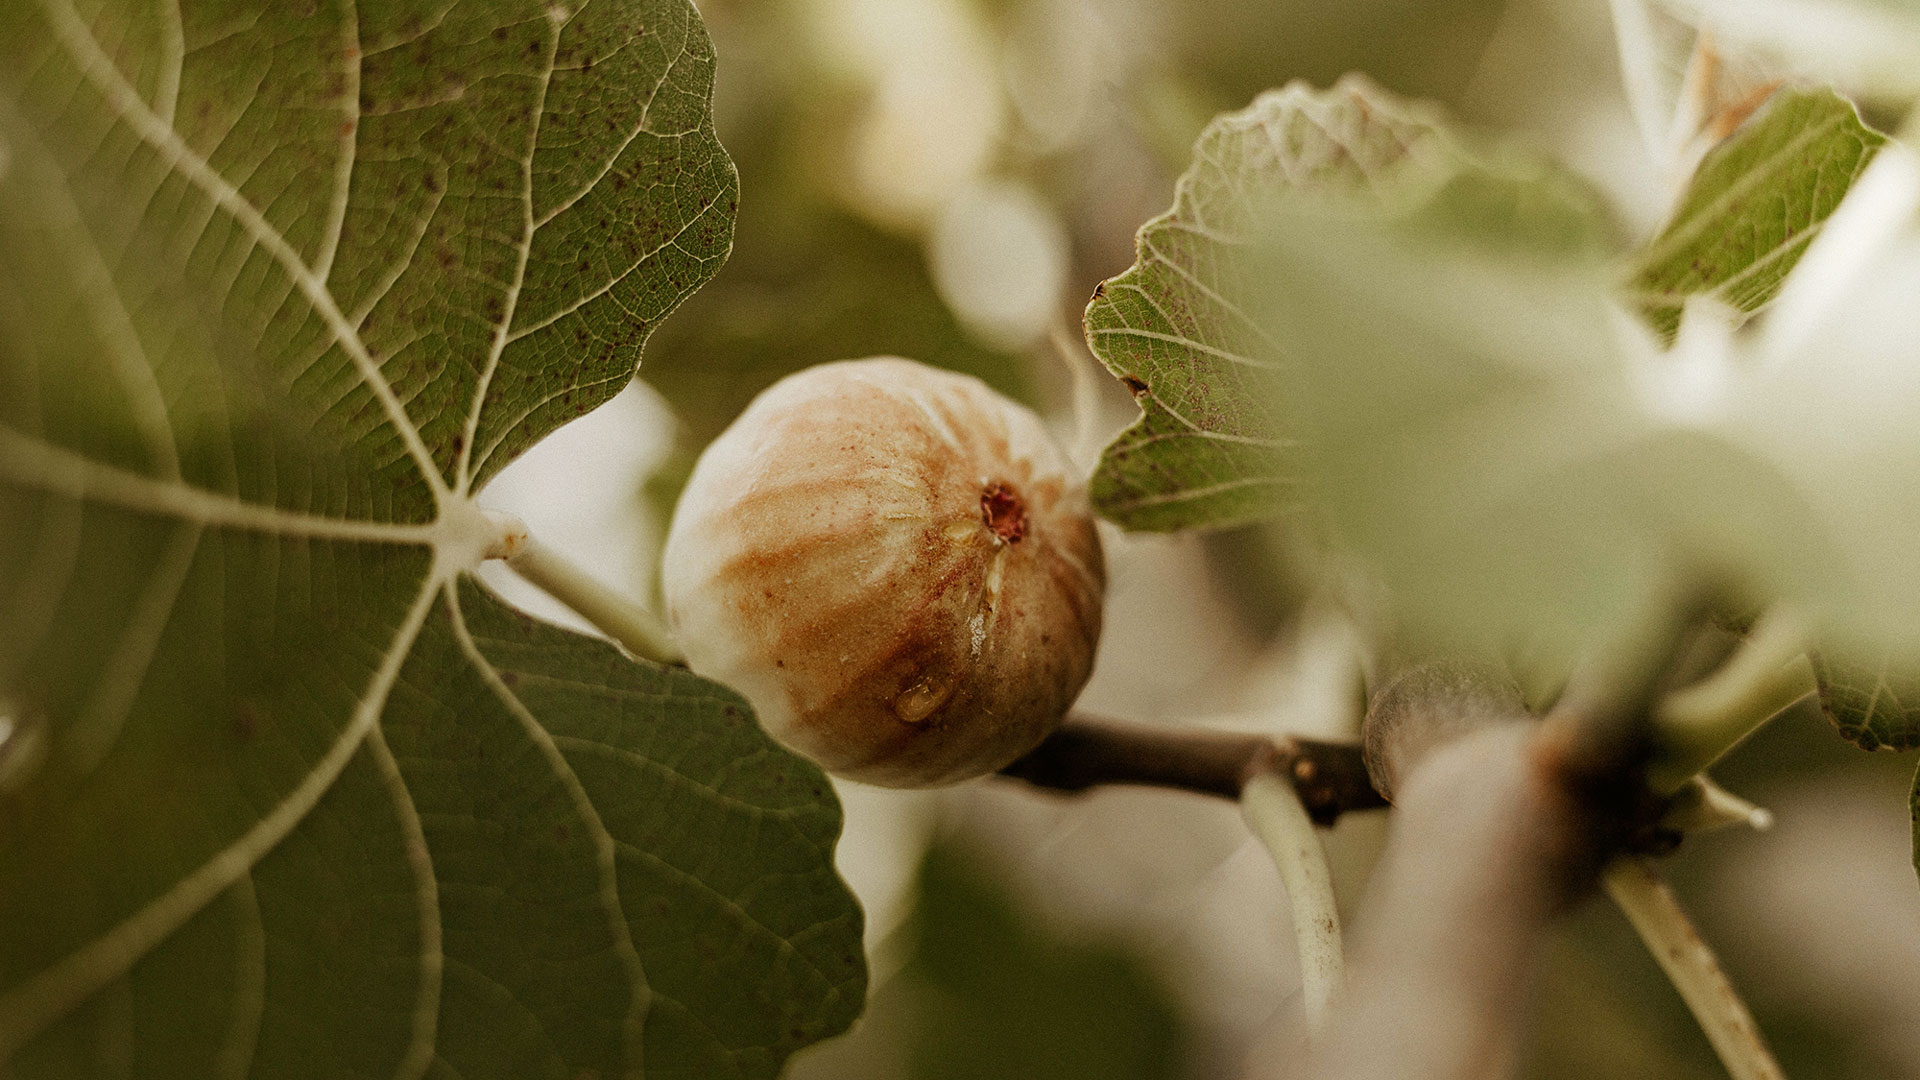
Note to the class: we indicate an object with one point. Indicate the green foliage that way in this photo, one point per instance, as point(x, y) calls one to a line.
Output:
point(1754, 204)
point(1210, 448)
point(1418, 351)
point(1008, 998)
point(285, 793)
point(1191, 329)
point(1874, 706)
point(1434, 374)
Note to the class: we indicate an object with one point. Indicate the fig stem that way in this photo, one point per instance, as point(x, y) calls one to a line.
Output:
point(1087, 752)
point(1696, 725)
point(1655, 912)
point(632, 626)
point(1277, 816)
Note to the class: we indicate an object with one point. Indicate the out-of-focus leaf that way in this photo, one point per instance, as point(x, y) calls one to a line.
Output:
point(1508, 454)
point(1837, 419)
point(1753, 205)
point(1188, 329)
point(1457, 396)
point(1874, 706)
point(1002, 996)
point(1211, 446)
point(282, 791)
point(1866, 47)
point(1913, 804)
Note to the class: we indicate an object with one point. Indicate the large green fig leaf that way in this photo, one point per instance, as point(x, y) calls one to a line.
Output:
point(283, 790)
point(1754, 204)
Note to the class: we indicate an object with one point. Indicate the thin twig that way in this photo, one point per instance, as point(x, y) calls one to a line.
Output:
point(1085, 753)
point(1273, 810)
point(1656, 914)
point(1498, 829)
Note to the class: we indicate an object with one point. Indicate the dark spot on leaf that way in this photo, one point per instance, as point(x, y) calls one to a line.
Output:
point(1135, 385)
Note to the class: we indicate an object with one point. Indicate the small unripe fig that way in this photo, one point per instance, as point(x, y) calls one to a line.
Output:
point(1427, 707)
point(895, 565)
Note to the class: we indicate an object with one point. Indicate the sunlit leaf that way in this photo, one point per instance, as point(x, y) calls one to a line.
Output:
point(1188, 329)
point(282, 791)
point(1754, 204)
point(1210, 447)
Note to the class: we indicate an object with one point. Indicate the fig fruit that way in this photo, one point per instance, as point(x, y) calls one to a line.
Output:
point(895, 565)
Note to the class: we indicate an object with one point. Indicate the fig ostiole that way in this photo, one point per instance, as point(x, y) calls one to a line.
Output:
point(895, 565)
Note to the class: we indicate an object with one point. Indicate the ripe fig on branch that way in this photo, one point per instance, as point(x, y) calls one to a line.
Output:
point(895, 565)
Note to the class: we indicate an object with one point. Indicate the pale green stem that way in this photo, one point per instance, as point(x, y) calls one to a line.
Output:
point(1656, 914)
point(637, 629)
point(1696, 725)
point(1272, 808)
point(1704, 806)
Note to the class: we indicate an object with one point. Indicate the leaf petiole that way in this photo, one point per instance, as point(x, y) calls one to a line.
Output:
point(1698, 724)
point(630, 625)
point(1277, 816)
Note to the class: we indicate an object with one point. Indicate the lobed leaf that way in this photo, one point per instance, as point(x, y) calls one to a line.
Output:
point(1188, 329)
point(1211, 448)
point(1754, 204)
point(283, 792)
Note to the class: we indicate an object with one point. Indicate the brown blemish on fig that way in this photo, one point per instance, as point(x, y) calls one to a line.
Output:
point(1004, 513)
point(917, 702)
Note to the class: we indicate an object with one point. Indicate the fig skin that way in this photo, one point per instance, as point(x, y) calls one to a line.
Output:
point(895, 565)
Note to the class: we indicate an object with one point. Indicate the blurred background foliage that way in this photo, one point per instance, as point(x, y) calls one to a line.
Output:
point(948, 180)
